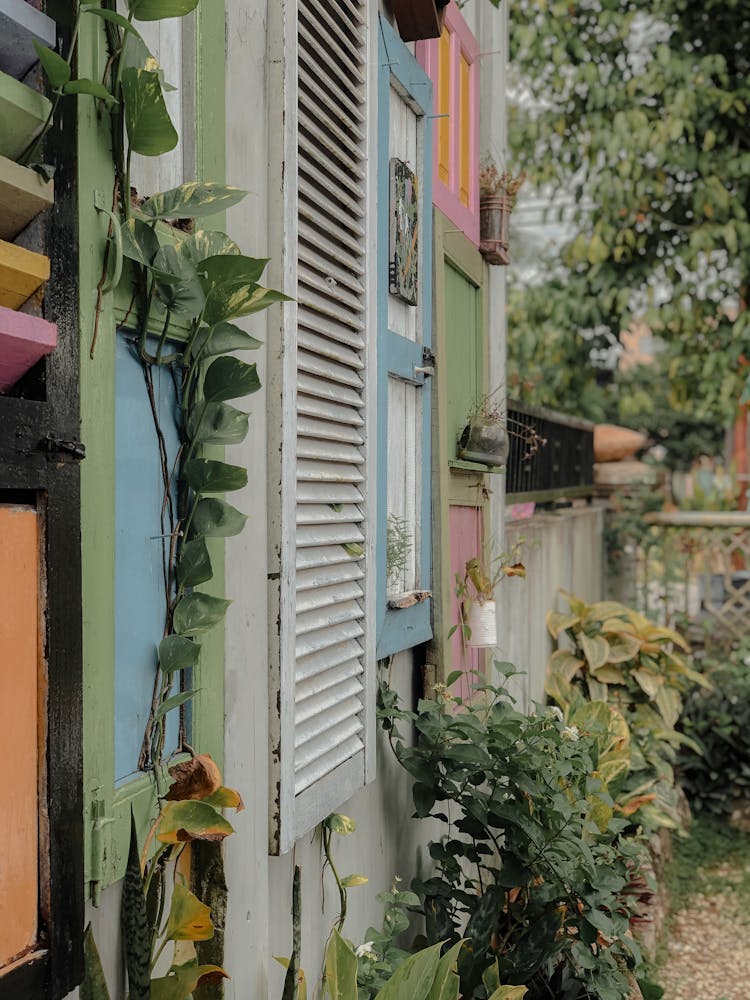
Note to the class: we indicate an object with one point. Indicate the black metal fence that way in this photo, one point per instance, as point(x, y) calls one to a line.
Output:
point(551, 454)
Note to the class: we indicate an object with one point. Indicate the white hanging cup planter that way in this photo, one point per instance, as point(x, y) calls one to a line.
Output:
point(482, 625)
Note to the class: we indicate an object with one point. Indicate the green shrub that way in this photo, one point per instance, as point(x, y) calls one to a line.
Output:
point(533, 864)
point(719, 722)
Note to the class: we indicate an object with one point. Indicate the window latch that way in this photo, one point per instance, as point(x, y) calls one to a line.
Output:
point(66, 451)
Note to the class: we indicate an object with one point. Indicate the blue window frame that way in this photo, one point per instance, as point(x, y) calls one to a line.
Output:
point(401, 354)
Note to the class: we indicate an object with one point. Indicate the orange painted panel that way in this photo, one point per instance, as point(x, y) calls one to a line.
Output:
point(464, 139)
point(19, 729)
point(444, 106)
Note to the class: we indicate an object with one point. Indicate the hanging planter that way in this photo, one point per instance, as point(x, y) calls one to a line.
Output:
point(24, 340)
point(418, 19)
point(482, 625)
point(484, 440)
point(497, 197)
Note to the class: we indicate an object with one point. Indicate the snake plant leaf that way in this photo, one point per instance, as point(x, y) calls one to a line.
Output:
point(174, 702)
point(55, 67)
point(182, 981)
point(110, 15)
point(217, 423)
point(230, 378)
point(194, 566)
point(136, 933)
point(183, 297)
point(157, 10)
point(196, 613)
point(341, 968)
point(177, 652)
point(221, 339)
point(147, 122)
point(446, 983)
point(94, 985)
point(413, 980)
point(192, 200)
point(191, 819)
point(189, 919)
point(217, 519)
point(206, 475)
point(139, 242)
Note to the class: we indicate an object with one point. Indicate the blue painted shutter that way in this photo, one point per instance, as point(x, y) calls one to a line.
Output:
point(404, 338)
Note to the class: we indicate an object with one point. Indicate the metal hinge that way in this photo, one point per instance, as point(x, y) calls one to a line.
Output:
point(98, 830)
point(67, 451)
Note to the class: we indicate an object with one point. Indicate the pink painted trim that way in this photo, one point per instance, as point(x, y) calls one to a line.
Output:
point(24, 340)
point(446, 197)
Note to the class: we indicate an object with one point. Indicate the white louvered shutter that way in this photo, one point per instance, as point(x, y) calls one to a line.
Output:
point(326, 625)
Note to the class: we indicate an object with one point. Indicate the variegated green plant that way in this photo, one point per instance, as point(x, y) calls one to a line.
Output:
point(616, 657)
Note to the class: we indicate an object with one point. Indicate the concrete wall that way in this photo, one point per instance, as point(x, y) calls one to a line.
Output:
point(560, 549)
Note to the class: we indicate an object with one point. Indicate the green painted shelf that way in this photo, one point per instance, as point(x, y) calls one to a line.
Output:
point(23, 113)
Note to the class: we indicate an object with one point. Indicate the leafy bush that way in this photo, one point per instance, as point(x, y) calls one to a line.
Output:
point(620, 658)
point(533, 865)
point(719, 721)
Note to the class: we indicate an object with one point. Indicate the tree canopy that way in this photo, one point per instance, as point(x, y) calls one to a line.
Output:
point(633, 115)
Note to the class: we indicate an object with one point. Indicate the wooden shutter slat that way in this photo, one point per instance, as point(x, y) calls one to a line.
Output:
point(315, 643)
point(326, 284)
point(338, 78)
point(326, 618)
point(328, 493)
point(345, 242)
point(313, 535)
point(327, 730)
point(328, 369)
point(327, 756)
point(349, 651)
point(323, 597)
point(321, 409)
point(324, 325)
point(325, 307)
point(318, 243)
point(313, 260)
point(325, 514)
point(323, 576)
point(322, 556)
point(312, 448)
point(347, 142)
point(311, 385)
point(310, 427)
point(335, 691)
point(309, 470)
point(346, 43)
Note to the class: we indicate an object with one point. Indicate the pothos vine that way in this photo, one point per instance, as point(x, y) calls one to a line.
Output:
point(187, 286)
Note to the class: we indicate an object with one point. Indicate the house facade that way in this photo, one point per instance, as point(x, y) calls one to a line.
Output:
point(360, 153)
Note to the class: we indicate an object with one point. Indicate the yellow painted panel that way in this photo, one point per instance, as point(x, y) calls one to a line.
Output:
point(19, 729)
point(464, 139)
point(444, 106)
point(21, 273)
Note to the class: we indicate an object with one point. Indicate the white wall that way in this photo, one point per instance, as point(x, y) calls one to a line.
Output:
point(561, 549)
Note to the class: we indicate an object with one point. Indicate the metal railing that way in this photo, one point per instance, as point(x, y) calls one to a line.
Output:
point(551, 454)
point(693, 572)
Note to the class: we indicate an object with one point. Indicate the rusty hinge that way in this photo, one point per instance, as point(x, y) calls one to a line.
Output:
point(57, 448)
point(100, 821)
point(428, 356)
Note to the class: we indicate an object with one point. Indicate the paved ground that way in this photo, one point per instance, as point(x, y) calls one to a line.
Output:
point(708, 946)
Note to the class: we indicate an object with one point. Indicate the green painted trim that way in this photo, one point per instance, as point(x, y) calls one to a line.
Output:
point(457, 463)
point(102, 801)
point(23, 112)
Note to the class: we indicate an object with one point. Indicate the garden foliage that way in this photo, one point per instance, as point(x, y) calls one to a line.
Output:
point(533, 867)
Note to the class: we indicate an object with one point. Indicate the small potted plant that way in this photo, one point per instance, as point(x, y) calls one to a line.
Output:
point(484, 439)
point(476, 595)
point(497, 197)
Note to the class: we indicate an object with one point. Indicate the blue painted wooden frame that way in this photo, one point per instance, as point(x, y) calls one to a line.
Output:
point(406, 627)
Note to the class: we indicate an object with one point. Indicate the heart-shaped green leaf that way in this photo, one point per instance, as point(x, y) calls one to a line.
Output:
point(196, 613)
point(205, 475)
point(147, 122)
point(206, 243)
point(177, 652)
point(217, 423)
point(221, 339)
point(230, 378)
point(189, 919)
point(185, 296)
point(112, 16)
point(139, 242)
point(157, 10)
point(54, 66)
point(174, 702)
point(217, 518)
point(194, 566)
point(182, 981)
point(191, 200)
point(90, 87)
point(191, 819)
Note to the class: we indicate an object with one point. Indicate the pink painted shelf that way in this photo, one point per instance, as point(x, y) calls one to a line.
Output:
point(23, 341)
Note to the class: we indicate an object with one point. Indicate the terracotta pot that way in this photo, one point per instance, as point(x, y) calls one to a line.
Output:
point(494, 222)
point(613, 443)
point(482, 625)
point(485, 441)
